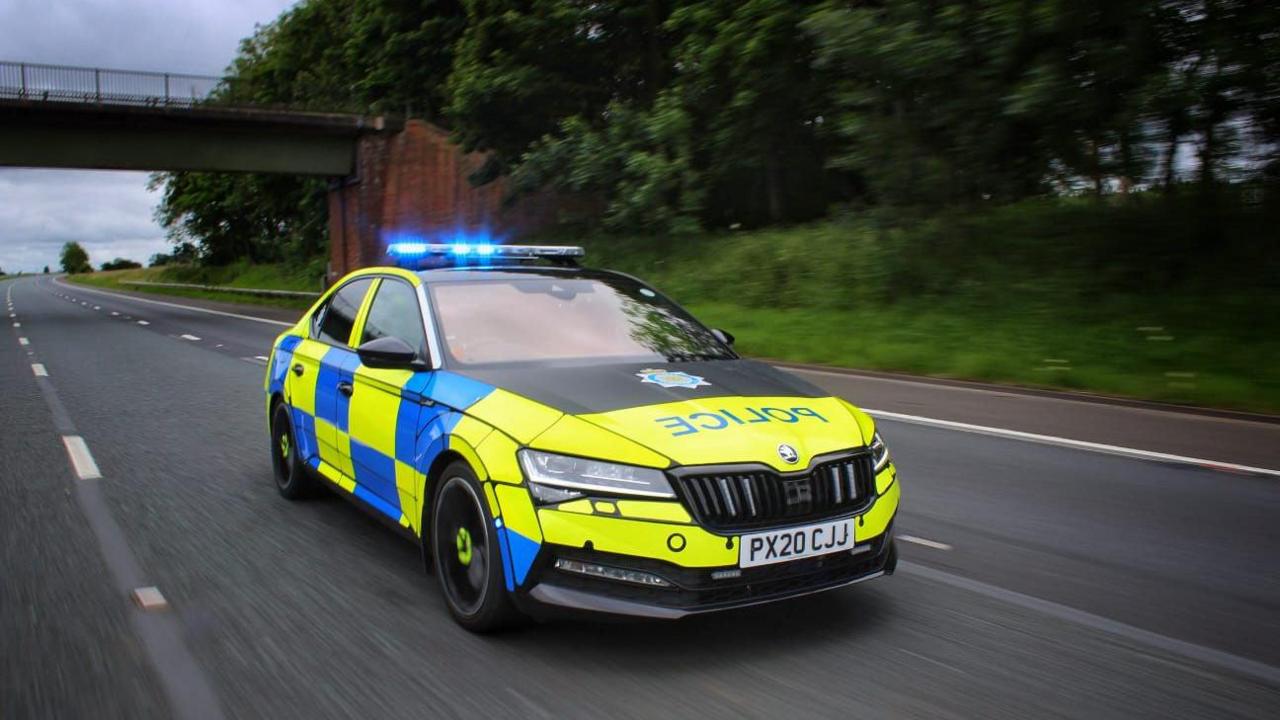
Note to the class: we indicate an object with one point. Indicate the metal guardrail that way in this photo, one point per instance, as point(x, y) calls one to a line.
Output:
point(224, 288)
point(63, 83)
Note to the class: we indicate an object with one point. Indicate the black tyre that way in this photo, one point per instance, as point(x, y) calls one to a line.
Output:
point(468, 562)
point(292, 477)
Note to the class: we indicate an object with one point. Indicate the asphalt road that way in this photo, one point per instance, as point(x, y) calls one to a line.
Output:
point(1038, 580)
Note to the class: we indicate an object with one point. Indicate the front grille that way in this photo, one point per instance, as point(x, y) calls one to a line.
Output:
point(733, 499)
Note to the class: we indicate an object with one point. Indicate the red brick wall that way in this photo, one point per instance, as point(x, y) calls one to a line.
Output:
point(414, 184)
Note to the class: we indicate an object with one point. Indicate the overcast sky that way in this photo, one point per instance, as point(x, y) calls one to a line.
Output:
point(110, 213)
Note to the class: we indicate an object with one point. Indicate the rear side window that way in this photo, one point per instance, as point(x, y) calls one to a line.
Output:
point(394, 313)
point(334, 321)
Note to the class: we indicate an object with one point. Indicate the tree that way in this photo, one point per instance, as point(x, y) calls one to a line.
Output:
point(723, 128)
point(75, 259)
point(46, 269)
point(120, 264)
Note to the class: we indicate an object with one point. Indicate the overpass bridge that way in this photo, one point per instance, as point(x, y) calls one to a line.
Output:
point(389, 177)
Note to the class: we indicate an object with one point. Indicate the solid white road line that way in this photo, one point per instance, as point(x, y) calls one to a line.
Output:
point(81, 458)
point(39, 370)
point(1067, 442)
point(23, 341)
point(1200, 653)
point(143, 322)
point(192, 308)
point(189, 337)
point(921, 541)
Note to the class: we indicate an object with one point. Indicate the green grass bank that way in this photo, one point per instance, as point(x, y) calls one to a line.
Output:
point(305, 277)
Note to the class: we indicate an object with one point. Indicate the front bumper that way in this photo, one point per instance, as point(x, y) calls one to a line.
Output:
point(703, 574)
point(699, 592)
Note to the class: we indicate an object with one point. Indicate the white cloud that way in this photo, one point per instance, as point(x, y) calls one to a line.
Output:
point(110, 213)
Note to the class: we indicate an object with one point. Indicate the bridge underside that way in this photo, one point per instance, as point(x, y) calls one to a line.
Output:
point(114, 137)
point(389, 179)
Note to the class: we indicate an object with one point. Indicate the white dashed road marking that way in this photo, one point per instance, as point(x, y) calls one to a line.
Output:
point(143, 322)
point(39, 370)
point(150, 599)
point(191, 308)
point(23, 341)
point(114, 313)
point(81, 458)
point(921, 541)
point(193, 338)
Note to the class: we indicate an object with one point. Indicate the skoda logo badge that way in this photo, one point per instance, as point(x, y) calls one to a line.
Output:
point(788, 454)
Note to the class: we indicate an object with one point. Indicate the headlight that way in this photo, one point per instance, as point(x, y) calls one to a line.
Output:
point(554, 478)
point(879, 451)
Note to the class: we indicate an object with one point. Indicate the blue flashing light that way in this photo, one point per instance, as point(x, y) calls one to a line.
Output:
point(481, 253)
point(407, 249)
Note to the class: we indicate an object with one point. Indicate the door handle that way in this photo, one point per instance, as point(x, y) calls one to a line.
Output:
point(297, 369)
point(345, 388)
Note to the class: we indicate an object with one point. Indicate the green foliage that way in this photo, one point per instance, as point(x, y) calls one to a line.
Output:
point(678, 116)
point(262, 218)
point(522, 67)
point(730, 136)
point(46, 269)
point(121, 264)
point(74, 259)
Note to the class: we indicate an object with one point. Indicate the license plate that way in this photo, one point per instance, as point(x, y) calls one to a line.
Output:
point(775, 546)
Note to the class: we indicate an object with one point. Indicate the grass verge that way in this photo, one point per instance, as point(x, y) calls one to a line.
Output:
point(240, 275)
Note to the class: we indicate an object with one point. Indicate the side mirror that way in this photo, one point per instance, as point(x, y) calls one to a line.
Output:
point(391, 353)
point(723, 336)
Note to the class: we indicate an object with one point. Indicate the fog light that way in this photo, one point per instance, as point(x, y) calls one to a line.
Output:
point(610, 573)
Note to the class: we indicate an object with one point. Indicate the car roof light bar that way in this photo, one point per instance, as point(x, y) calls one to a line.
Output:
point(483, 250)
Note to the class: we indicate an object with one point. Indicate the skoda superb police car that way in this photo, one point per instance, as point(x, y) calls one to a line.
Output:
point(555, 436)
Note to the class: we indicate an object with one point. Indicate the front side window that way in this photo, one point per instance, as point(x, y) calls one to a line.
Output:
point(394, 313)
point(558, 319)
point(335, 320)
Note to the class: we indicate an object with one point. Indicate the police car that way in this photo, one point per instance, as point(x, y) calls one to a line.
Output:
point(554, 436)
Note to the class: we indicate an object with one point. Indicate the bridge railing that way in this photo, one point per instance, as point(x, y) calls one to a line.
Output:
point(62, 83)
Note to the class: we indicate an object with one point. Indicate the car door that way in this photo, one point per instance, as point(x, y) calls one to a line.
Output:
point(330, 355)
point(383, 424)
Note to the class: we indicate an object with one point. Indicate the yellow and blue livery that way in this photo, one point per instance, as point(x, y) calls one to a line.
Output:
point(560, 437)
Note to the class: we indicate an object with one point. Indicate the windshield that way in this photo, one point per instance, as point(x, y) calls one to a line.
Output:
point(551, 319)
